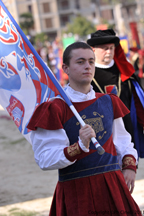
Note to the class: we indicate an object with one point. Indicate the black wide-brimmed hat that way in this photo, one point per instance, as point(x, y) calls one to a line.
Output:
point(103, 37)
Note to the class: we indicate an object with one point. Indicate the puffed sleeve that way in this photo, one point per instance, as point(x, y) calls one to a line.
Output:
point(47, 115)
point(119, 108)
point(122, 141)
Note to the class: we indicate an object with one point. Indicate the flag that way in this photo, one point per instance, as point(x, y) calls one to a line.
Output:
point(25, 80)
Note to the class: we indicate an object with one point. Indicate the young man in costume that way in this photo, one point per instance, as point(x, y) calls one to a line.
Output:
point(89, 183)
point(114, 74)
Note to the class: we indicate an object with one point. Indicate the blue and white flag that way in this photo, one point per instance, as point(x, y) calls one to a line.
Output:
point(25, 80)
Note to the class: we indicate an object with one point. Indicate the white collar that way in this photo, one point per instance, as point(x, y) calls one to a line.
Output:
point(105, 66)
point(76, 96)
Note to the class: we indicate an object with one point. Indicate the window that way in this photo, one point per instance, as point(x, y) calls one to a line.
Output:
point(104, 2)
point(48, 23)
point(107, 14)
point(64, 4)
point(94, 14)
point(46, 7)
point(77, 5)
point(64, 20)
point(30, 8)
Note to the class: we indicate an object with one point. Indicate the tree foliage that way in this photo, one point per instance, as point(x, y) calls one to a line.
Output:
point(27, 22)
point(41, 38)
point(80, 26)
point(104, 21)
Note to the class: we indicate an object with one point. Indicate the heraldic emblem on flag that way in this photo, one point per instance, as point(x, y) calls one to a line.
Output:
point(24, 84)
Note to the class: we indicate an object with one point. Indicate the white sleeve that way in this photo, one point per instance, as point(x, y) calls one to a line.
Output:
point(48, 147)
point(122, 141)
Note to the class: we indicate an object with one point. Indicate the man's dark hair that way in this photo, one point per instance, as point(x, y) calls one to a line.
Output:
point(76, 45)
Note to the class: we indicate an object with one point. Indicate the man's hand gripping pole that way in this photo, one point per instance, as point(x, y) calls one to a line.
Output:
point(99, 148)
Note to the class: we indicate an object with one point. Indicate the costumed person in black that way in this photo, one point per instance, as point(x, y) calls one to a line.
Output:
point(89, 183)
point(114, 74)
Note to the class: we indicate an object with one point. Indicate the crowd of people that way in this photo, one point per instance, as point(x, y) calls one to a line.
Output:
point(51, 53)
point(104, 88)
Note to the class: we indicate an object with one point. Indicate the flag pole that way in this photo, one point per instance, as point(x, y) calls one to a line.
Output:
point(99, 148)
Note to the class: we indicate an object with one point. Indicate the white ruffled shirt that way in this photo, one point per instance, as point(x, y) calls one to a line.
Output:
point(104, 66)
point(48, 145)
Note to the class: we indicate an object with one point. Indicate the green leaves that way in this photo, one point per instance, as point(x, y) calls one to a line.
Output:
point(81, 26)
point(27, 21)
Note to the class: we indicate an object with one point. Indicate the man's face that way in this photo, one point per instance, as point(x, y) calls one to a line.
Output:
point(104, 53)
point(81, 68)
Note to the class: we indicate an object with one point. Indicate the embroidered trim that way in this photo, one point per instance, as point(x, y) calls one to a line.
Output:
point(119, 86)
point(128, 161)
point(96, 83)
point(73, 150)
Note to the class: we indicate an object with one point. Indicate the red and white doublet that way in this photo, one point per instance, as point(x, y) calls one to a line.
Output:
point(88, 183)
